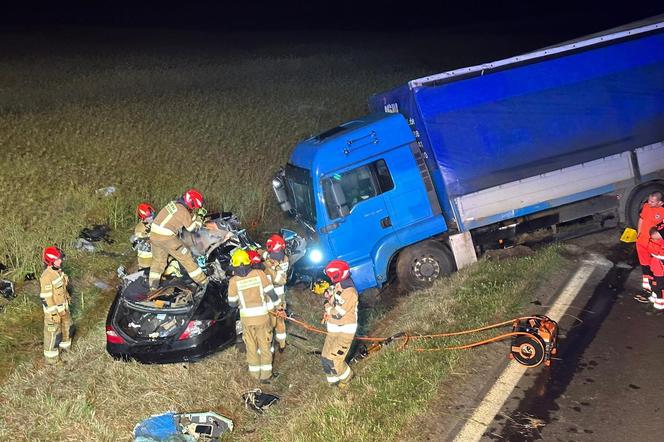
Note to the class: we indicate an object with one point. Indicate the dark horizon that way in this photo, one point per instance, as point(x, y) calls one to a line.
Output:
point(388, 15)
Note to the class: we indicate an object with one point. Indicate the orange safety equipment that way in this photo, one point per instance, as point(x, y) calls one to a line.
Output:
point(337, 270)
point(275, 243)
point(144, 211)
point(193, 199)
point(52, 254)
point(254, 257)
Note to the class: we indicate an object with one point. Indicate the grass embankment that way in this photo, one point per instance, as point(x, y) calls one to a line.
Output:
point(95, 398)
point(152, 114)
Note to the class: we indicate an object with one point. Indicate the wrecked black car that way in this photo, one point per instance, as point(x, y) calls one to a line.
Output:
point(180, 321)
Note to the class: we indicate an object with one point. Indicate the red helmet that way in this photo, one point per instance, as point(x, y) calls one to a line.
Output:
point(254, 257)
point(144, 211)
point(275, 243)
point(337, 270)
point(52, 254)
point(193, 199)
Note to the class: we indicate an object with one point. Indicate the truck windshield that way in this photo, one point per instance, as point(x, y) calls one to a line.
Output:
point(301, 192)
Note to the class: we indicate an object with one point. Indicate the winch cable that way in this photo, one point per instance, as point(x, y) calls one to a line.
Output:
point(408, 337)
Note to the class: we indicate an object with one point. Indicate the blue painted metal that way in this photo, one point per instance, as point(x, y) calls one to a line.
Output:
point(518, 122)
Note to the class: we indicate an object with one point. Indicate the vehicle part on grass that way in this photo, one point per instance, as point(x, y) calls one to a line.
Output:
point(258, 401)
point(173, 426)
point(7, 289)
point(540, 343)
point(98, 232)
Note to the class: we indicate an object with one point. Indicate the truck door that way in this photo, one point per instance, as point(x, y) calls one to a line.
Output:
point(356, 210)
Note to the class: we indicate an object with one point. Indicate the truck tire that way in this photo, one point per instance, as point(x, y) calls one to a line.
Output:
point(419, 265)
point(637, 200)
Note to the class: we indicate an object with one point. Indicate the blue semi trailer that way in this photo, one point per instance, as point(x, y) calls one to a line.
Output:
point(447, 165)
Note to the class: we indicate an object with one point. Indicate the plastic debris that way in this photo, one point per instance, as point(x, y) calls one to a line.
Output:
point(7, 289)
point(84, 245)
point(105, 191)
point(258, 401)
point(98, 232)
point(187, 427)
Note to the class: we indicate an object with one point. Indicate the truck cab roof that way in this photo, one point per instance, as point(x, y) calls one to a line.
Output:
point(351, 142)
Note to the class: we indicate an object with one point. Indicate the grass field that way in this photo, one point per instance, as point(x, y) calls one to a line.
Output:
point(155, 113)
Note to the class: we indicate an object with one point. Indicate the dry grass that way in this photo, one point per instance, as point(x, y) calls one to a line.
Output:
point(93, 397)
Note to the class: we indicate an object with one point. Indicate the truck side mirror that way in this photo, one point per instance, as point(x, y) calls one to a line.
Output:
point(335, 199)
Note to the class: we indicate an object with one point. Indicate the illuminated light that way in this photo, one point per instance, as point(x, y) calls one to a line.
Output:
point(316, 256)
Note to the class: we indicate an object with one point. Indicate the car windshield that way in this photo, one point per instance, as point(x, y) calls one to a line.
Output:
point(301, 192)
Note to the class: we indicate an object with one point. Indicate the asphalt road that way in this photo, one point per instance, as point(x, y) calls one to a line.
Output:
point(608, 384)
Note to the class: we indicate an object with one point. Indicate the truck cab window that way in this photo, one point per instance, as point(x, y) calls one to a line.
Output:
point(343, 191)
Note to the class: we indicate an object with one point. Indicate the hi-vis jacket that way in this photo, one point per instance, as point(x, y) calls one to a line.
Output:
point(255, 294)
point(171, 219)
point(342, 308)
point(54, 295)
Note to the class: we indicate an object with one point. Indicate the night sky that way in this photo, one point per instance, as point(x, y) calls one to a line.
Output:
point(386, 15)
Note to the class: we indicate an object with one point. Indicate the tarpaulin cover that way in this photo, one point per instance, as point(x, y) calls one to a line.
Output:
point(525, 120)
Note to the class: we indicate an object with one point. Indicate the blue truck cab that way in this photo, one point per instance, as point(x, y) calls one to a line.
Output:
point(448, 165)
point(363, 191)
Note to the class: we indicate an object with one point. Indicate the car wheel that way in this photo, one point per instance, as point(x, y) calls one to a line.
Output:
point(419, 265)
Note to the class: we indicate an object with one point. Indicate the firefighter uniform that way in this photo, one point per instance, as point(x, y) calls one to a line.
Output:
point(141, 238)
point(650, 217)
point(656, 249)
point(341, 311)
point(165, 241)
point(57, 320)
point(255, 295)
point(276, 268)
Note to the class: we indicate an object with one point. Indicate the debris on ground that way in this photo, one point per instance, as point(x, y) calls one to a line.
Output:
point(105, 191)
point(258, 401)
point(7, 293)
point(98, 232)
point(84, 245)
point(182, 427)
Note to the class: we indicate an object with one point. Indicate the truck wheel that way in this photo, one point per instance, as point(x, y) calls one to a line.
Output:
point(637, 200)
point(418, 266)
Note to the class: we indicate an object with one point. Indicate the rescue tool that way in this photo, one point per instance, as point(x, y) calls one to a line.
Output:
point(534, 339)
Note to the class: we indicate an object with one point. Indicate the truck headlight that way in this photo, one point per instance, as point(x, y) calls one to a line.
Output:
point(316, 256)
point(276, 183)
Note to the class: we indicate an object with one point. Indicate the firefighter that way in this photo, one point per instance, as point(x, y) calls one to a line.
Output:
point(251, 289)
point(652, 214)
point(341, 319)
point(276, 268)
point(55, 301)
point(185, 213)
point(656, 249)
point(140, 240)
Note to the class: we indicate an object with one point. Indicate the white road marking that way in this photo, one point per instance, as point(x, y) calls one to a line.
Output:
point(491, 404)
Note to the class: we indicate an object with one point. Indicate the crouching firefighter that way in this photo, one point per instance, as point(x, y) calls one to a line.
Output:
point(251, 289)
point(55, 301)
point(276, 268)
point(656, 249)
point(140, 240)
point(185, 213)
point(341, 319)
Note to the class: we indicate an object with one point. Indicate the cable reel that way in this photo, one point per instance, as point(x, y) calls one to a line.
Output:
point(534, 341)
